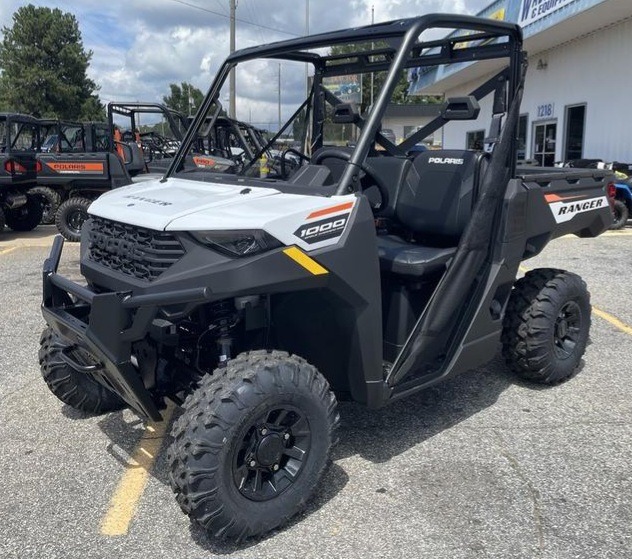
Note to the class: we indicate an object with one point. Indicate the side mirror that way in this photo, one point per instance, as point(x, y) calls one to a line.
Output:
point(345, 113)
point(461, 108)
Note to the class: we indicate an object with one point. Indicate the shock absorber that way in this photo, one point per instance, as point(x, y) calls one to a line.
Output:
point(225, 318)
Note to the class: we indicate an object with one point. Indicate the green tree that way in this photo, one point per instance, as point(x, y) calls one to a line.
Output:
point(44, 66)
point(184, 98)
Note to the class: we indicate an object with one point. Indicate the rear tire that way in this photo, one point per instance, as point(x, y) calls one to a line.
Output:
point(26, 217)
point(70, 217)
point(2, 220)
point(78, 390)
point(621, 214)
point(252, 444)
point(546, 326)
point(50, 202)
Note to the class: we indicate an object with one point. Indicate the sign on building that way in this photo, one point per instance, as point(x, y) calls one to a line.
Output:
point(533, 10)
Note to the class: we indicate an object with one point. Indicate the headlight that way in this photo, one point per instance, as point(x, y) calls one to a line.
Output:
point(238, 243)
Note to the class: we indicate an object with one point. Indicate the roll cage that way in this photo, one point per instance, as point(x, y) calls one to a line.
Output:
point(19, 133)
point(387, 47)
point(66, 136)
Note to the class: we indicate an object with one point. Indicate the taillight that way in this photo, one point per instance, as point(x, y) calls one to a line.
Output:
point(38, 166)
point(13, 167)
point(612, 190)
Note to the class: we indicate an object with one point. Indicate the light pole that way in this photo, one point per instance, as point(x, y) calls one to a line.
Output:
point(306, 33)
point(372, 22)
point(279, 97)
point(231, 104)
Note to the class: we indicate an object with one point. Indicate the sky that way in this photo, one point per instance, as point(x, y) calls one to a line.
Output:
point(140, 46)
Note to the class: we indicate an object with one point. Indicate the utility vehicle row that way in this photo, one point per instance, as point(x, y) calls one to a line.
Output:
point(51, 170)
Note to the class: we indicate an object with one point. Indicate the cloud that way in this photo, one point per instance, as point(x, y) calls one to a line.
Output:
point(140, 47)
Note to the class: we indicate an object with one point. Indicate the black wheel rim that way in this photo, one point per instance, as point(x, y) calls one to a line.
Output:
point(272, 453)
point(567, 330)
point(47, 209)
point(617, 214)
point(75, 220)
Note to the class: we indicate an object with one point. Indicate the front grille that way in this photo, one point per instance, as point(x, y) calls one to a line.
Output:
point(134, 251)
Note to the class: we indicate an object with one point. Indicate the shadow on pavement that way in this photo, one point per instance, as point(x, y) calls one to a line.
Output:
point(41, 235)
point(379, 435)
point(333, 481)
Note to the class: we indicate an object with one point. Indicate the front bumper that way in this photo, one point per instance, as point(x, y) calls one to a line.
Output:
point(106, 325)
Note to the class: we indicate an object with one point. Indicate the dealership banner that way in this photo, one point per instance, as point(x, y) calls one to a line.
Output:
point(533, 10)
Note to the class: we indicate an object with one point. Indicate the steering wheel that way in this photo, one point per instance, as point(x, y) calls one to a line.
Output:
point(301, 157)
point(338, 153)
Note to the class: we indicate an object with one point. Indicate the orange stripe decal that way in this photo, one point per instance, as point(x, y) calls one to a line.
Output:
point(556, 198)
point(332, 210)
point(204, 161)
point(79, 167)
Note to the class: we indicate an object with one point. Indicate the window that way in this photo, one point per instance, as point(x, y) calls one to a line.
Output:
point(522, 137)
point(475, 140)
point(545, 134)
point(574, 141)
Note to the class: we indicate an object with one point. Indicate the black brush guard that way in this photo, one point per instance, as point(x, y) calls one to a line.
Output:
point(105, 325)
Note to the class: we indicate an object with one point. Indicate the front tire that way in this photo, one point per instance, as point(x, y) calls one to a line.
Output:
point(50, 200)
point(252, 444)
point(78, 390)
point(546, 326)
point(26, 217)
point(621, 215)
point(70, 217)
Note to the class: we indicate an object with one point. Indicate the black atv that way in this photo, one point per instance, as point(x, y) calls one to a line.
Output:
point(20, 208)
point(365, 274)
point(56, 137)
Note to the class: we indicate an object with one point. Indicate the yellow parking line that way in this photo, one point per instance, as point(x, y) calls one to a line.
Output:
point(618, 233)
point(132, 485)
point(601, 314)
point(7, 250)
point(613, 320)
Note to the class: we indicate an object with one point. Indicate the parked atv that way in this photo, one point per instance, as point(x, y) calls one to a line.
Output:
point(89, 159)
point(256, 303)
point(20, 208)
point(56, 137)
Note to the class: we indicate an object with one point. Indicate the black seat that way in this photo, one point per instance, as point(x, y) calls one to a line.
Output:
point(406, 259)
point(433, 207)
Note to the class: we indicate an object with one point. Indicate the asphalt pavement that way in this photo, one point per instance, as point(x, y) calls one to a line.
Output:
point(482, 466)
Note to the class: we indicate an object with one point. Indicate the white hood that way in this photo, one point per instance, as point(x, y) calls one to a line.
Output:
point(185, 205)
point(156, 204)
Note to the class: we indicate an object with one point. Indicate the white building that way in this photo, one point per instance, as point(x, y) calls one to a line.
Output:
point(403, 120)
point(578, 96)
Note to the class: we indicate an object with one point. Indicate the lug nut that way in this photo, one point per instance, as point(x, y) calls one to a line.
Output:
point(286, 436)
point(275, 467)
point(252, 463)
point(264, 431)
